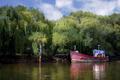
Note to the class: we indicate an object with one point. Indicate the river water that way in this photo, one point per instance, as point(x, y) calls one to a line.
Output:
point(61, 71)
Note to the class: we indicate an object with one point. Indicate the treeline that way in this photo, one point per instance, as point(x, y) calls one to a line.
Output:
point(22, 30)
point(25, 31)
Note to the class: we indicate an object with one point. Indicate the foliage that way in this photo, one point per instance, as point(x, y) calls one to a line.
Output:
point(22, 29)
point(86, 31)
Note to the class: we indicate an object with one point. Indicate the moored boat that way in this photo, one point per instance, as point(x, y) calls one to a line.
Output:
point(98, 56)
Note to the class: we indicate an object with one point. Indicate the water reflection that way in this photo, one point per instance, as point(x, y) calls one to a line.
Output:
point(55, 71)
point(87, 71)
point(99, 71)
point(58, 71)
point(20, 72)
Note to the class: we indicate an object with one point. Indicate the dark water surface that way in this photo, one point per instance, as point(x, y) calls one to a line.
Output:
point(61, 71)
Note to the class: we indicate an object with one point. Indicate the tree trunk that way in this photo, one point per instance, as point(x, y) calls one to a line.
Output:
point(40, 49)
point(40, 52)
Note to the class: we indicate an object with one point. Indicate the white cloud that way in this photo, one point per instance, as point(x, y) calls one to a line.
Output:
point(63, 3)
point(100, 7)
point(56, 11)
point(67, 5)
point(51, 13)
point(118, 3)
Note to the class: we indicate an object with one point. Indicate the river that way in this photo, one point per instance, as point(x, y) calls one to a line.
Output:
point(61, 71)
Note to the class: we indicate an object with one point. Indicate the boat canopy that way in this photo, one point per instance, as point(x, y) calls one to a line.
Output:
point(98, 52)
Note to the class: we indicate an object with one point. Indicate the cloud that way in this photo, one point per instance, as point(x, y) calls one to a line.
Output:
point(100, 7)
point(51, 13)
point(118, 3)
point(54, 11)
point(63, 3)
point(66, 6)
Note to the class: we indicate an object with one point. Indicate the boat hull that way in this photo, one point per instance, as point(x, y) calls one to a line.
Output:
point(78, 57)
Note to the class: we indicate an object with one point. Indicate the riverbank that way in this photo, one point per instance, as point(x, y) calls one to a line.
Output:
point(114, 58)
point(44, 59)
point(19, 59)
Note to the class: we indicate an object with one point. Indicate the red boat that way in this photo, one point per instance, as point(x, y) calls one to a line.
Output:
point(98, 56)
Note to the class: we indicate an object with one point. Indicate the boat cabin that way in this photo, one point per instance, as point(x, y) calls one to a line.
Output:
point(98, 53)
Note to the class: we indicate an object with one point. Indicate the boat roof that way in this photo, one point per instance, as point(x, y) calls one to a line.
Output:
point(98, 51)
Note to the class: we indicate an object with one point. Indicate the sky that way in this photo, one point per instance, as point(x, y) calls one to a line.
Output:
point(56, 9)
